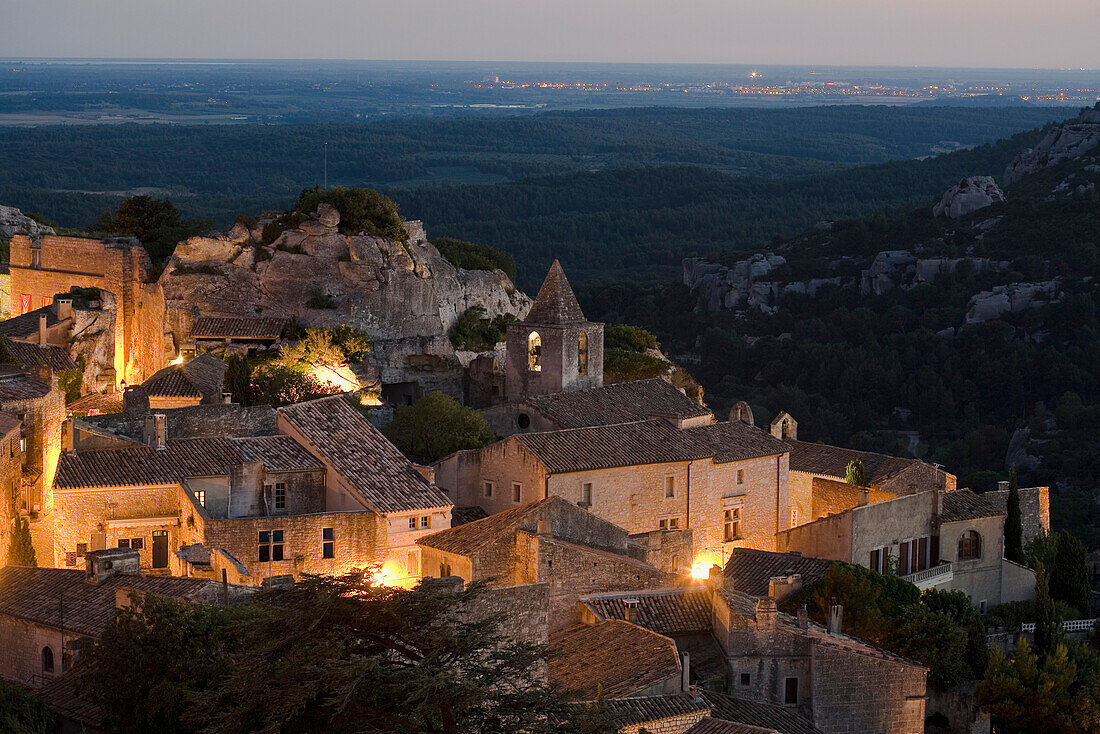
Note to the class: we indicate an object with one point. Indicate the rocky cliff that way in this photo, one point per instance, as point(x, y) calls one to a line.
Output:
point(13, 221)
point(970, 194)
point(1069, 140)
point(404, 294)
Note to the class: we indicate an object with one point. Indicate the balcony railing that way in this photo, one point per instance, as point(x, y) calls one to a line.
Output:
point(1070, 625)
point(930, 577)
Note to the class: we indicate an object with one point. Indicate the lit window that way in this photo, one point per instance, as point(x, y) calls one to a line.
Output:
point(23, 445)
point(740, 476)
point(731, 524)
point(328, 542)
point(412, 523)
point(200, 497)
point(516, 489)
point(271, 545)
point(425, 522)
point(488, 489)
point(534, 352)
point(586, 494)
point(582, 354)
point(280, 496)
point(670, 486)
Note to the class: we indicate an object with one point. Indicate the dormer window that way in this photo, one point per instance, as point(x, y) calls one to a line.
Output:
point(582, 354)
point(534, 352)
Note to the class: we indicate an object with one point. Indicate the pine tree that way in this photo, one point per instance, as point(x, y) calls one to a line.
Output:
point(1014, 531)
point(21, 550)
point(1048, 631)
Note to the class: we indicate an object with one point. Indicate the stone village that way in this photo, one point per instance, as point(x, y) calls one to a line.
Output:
point(643, 538)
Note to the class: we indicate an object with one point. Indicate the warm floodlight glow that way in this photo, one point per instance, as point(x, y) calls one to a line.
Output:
point(178, 360)
point(700, 571)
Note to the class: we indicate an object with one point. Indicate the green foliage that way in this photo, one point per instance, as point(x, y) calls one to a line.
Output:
point(473, 332)
point(327, 347)
point(271, 232)
point(954, 604)
point(319, 298)
point(1048, 628)
point(977, 648)
point(470, 256)
point(436, 426)
point(274, 383)
point(23, 712)
point(20, 548)
point(1069, 577)
point(934, 639)
point(362, 211)
point(1029, 694)
point(238, 378)
point(629, 338)
point(1014, 532)
point(855, 474)
point(621, 365)
point(156, 223)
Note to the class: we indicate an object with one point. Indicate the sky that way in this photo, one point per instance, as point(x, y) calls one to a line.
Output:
point(974, 33)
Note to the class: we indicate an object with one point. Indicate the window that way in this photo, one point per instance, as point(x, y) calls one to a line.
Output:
point(516, 491)
point(328, 542)
point(662, 524)
point(425, 522)
point(746, 679)
point(970, 546)
point(674, 523)
point(47, 660)
point(123, 542)
point(200, 497)
point(412, 523)
point(790, 691)
point(488, 489)
point(731, 524)
point(877, 562)
point(137, 543)
point(444, 570)
point(23, 445)
point(534, 352)
point(740, 476)
point(280, 495)
point(586, 494)
point(271, 545)
point(670, 486)
point(523, 421)
point(981, 606)
point(81, 550)
point(582, 354)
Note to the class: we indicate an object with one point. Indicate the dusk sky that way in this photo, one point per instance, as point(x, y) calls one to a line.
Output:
point(987, 33)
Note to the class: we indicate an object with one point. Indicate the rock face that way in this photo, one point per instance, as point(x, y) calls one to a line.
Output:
point(1068, 140)
point(900, 268)
point(404, 294)
point(13, 221)
point(970, 194)
point(719, 287)
point(1013, 297)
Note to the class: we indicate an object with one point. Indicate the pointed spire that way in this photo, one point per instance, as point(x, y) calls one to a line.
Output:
point(556, 303)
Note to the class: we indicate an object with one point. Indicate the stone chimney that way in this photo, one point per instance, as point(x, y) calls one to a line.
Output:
point(803, 618)
point(1002, 485)
point(155, 432)
point(717, 580)
point(630, 609)
point(102, 565)
point(864, 497)
point(767, 614)
point(544, 528)
point(42, 328)
point(67, 435)
point(780, 587)
point(685, 671)
point(836, 618)
point(227, 398)
point(64, 308)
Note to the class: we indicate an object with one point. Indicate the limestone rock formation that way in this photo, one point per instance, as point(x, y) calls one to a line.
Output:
point(13, 221)
point(970, 194)
point(1071, 139)
point(1013, 297)
point(719, 287)
point(404, 294)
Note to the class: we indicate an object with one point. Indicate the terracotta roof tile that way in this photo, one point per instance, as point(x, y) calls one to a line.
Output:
point(8, 425)
point(755, 713)
point(171, 382)
point(832, 461)
point(463, 515)
point(963, 504)
point(29, 355)
point(644, 709)
point(368, 462)
point(619, 656)
point(556, 303)
point(200, 377)
point(218, 327)
point(750, 570)
point(27, 324)
point(61, 696)
point(278, 453)
point(15, 387)
point(622, 402)
point(707, 725)
point(666, 611)
point(468, 538)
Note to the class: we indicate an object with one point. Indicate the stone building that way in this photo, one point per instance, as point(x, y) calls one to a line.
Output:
point(43, 268)
point(326, 494)
point(726, 481)
point(556, 542)
point(935, 539)
point(196, 381)
point(11, 481)
point(614, 658)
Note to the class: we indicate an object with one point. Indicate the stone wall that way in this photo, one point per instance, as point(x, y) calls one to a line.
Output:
point(827, 537)
point(856, 693)
point(11, 478)
point(21, 645)
point(559, 350)
point(522, 609)
point(980, 578)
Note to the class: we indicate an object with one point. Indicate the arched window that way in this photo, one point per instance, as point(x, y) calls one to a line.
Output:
point(534, 352)
point(786, 428)
point(970, 546)
point(47, 659)
point(582, 354)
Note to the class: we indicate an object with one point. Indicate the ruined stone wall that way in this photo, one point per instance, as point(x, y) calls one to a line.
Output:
point(522, 610)
point(670, 725)
point(669, 550)
point(42, 418)
point(919, 477)
point(857, 693)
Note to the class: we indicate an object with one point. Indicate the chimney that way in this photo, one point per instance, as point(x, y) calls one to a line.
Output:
point(44, 373)
point(227, 398)
point(685, 674)
point(716, 580)
point(864, 497)
point(629, 609)
point(780, 587)
point(155, 433)
point(767, 614)
point(67, 435)
point(42, 328)
point(102, 565)
point(1002, 485)
point(545, 529)
point(803, 618)
point(64, 308)
point(836, 618)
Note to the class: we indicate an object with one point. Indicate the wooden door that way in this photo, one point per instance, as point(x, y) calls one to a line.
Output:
point(160, 549)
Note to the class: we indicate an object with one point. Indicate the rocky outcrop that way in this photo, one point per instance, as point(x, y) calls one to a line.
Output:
point(969, 195)
point(900, 268)
point(404, 294)
point(13, 221)
point(1071, 139)
point(1013, 297)
point(720, 287)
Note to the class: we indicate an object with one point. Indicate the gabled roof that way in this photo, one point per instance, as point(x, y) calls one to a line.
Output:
point(556, 303)
point(708, 725)
point(28, 354)
point(618, 658)
point(42, 595)
point(750, 570)
point(621, 402)
point(238, 327)
point(962, 505)
point(666, 611)
point(832, 461)
point(463, 515)
point(8, 425)
point(467, 539)
point(18, 386)
point(755, 713)
point(371, 466)
point(644, 709)
point(200, 377)
point(27, 324)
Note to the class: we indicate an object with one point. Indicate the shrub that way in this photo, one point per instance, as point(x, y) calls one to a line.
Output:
point(623, 365)
point(362, 211)
point(475, 333)
point(471, 256)
point(633, 338)
point(271, 232)
point(437, 425)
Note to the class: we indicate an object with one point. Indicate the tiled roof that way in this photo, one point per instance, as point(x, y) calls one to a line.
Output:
point(647, 442)
point(200, 377)
point(21, 387)
point(8, 424)
point(468, 538)
point(643, 709)
point(278, 453)
point(217, 327)
point(832, 461)
point(368, 462)
point(666, 611)
point(27, 354)
point(171, 382)
point(962, 504)
point(622, 402)
point(556, 303)
point(755, 713)
point(620, 657)
point(61, 696)
point(27, 324)
point(463, 515)
point(42, 595)
point(750, 570)
point(102, 402)
point(707, 725)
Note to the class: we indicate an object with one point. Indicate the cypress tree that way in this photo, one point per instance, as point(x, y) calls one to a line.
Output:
point(1069, 579)
point(1047, 629)
point(977, 648)
point(20, 549)
point(1014, 531)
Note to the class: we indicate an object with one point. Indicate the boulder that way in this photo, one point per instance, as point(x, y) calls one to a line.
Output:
point(328, 216)
point(969, 195)
point(13, 221)
point(1071, 139)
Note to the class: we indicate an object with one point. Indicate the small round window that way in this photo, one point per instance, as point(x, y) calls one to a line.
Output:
point(524, 420)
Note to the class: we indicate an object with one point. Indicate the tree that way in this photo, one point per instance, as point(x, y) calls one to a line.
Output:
point(343, 654)
point(437, 425)
point(156, 223)
point(1027, 694)
point(1048, 630)
point(24, 712)
point(20, 547)
point(1014, 532)
point(855, 473)
point(977, 648)
point(934, 639)
point(470, 256)
point(362, 211)
point(1069, 578)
